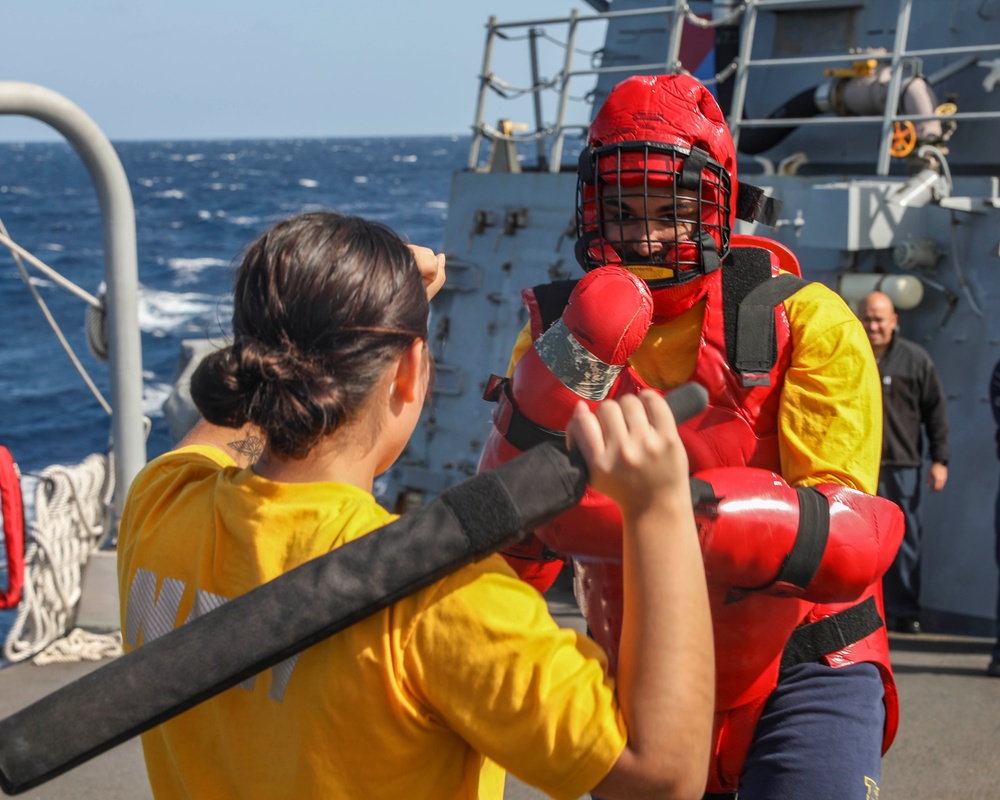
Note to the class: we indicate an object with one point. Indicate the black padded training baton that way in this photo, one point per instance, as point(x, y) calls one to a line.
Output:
point(263, 627)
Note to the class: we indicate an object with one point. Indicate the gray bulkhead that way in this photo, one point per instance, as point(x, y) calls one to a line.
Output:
point(857, 217)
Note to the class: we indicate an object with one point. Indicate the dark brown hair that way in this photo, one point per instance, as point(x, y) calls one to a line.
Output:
point(322, 303)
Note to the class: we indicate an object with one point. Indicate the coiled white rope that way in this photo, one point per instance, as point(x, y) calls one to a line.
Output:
point(71, 520)
point(81, 645)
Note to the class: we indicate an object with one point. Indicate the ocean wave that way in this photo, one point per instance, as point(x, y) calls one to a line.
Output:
point(163, 313)
point(188, 270)
point(244, 222)
point(154, 395)
point(197, 205)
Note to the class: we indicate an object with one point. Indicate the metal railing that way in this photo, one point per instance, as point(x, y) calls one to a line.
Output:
point(120, 260)
point(557, 131)
point(903, 63)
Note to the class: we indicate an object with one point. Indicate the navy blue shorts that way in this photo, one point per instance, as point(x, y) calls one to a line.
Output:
point(820, 736)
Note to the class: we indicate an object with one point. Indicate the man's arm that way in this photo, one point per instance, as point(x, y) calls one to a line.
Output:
point(830, 414)
point(933, 412)
point(995, 401)
point(830, 436)
point(666, 675)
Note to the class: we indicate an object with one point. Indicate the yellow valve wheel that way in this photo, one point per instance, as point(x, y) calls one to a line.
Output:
point(904, 139)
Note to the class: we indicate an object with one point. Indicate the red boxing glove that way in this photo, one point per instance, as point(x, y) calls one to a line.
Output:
point(581, 355)
point(578, 358)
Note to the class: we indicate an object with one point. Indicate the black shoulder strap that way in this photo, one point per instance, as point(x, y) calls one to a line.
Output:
point(749, 295)
point(552, 299)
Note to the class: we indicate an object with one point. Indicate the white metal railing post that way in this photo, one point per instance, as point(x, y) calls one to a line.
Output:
point(742, 70)
point(536, 97)
point(555, 157)
point(895, 83)
point(120, 265)
point(673, 62)
point(484, 87)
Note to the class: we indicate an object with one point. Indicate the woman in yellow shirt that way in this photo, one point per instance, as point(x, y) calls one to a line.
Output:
point(440, 693)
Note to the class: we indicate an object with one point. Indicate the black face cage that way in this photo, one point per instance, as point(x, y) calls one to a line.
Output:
point(610, 233)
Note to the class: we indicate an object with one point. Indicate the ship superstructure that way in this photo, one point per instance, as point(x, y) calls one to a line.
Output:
point(873, 124)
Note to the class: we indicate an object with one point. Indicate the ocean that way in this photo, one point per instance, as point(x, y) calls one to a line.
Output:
point(197, 204)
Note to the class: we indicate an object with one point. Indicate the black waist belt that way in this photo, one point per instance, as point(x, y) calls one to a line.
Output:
point(821, 638)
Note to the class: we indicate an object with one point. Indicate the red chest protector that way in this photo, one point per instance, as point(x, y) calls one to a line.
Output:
point(739, 426)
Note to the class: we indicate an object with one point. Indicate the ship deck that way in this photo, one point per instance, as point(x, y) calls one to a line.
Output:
point(947, 744)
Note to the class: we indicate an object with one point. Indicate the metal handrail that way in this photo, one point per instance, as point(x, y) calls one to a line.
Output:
point(120, 265)
point(900, 59)
point(558, 130)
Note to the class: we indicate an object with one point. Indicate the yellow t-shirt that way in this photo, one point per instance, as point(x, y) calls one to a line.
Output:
point(430, 698)
point(830, 413)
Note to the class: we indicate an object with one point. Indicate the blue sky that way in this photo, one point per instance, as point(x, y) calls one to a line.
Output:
point(202, 69)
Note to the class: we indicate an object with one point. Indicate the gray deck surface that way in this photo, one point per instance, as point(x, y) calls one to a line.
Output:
point(948, 745)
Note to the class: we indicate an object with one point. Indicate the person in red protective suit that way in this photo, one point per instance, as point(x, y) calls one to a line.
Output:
point(785, 459)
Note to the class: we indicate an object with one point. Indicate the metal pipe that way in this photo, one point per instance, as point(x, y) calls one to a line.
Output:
point(484, 87)
point(742, 69)
point(895, 83)
point(557, 144)
point(533, 34)
point(674, 47)
point(804, 121)
point(634, 12)
point(120, 265)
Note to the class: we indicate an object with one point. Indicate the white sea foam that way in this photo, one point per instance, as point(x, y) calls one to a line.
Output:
point(309, 183)
point(164, 313)
point(436, 204)
point(175, 194)
point(361, 179)
point(405, 159)
point(188, 270)
point(154, 395)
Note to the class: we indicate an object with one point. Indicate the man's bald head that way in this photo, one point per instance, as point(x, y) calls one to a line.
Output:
point(878, 314)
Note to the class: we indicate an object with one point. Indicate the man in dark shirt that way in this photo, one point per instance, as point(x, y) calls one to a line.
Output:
point(913, 406)
point(994, 666)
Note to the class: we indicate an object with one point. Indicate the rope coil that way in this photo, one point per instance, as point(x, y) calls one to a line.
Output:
point(71, 520)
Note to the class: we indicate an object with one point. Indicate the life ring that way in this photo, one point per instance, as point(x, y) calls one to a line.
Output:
point(12, 508)
point(904, 139)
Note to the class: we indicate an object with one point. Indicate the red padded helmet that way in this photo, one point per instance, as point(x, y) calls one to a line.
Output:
point(657, 139)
